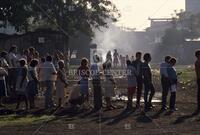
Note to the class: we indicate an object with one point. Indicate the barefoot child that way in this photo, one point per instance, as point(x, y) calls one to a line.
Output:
point(61, 82)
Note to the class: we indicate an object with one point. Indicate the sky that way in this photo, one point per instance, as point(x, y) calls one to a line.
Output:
point(135, 13)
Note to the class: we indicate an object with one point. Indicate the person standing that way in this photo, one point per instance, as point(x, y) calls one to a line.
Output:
point(21, 84)
point(173, 83)
point(61, 83)
point(13, 68)
point(84, 73)
point(3, 88)
point(50, 73)
point(197, 70)
point(96, 81)
point(32, 87)
point(138, 65)
point(165, 82)
point(132, 83)
point(116, 58)
point(109, 85)
point(148, 85)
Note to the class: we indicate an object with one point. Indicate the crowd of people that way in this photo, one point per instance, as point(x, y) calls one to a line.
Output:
point(25, 75)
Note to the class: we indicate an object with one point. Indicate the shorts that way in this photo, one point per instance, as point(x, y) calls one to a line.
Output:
point(131, 90)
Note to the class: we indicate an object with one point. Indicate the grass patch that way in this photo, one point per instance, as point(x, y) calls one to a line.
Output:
point(12, 120)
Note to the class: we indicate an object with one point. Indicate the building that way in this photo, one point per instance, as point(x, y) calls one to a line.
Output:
point(192, 6)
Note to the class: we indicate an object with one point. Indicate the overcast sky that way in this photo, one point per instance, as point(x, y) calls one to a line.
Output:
point(135, 13)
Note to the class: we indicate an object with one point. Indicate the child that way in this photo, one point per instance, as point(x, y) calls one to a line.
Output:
point(22, 80)
point(61, 82)
point(83, 72)
point(109, 85)
point(32, 87)
point(148, 85)
point(3, 89)
point(173, 83)
point(132, 83)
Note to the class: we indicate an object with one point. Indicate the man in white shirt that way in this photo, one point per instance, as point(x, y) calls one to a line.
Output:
point(50, 78)
point(12, 59)
point(165, 81)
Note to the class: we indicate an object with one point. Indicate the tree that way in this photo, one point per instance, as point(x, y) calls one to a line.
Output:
point(67, 16)
point(15, 13)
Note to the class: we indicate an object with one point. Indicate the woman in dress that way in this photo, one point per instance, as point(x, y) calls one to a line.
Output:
point(32, 87)
point(61, 82)
point(84, 73)
point(22, 81)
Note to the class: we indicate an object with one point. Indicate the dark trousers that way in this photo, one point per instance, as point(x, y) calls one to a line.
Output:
point(198, 94)
point(172, 100)
point(139, 90)
point(165, 90)
point(97, 94)
point(148, 87)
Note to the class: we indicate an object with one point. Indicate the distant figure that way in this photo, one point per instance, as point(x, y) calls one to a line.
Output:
point(61, 83)
point(148, 85)
point(173, 83)
point(96, 81)
point(109, 57)
point(127, 57)
point(165, 81)
point(132, 58)
point(49, 78)
point(84, 73)
point(122, 61)
point(138, 65)
point(116, 58)
point(22, 81)
point(32, 87)
point(109, 84)
point(3, 88)
point(132, 83)
point(197, 69)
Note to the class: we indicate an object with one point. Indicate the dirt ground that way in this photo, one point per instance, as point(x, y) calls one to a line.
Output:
point(116, 122)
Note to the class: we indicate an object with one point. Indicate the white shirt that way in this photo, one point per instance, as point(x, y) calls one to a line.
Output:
point(4, 63)
point(3, 73)
point(12, 57)
point(49, 71)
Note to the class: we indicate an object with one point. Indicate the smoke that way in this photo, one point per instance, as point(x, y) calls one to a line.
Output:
point(127, 42)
